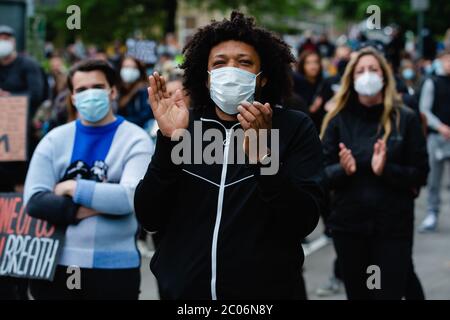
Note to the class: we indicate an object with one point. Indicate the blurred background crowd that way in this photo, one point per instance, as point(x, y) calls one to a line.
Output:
point(139, 37)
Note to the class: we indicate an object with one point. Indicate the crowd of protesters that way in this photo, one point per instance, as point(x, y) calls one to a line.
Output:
point(380, 114)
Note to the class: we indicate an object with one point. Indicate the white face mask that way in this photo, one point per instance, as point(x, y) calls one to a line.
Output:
point(6, 48)
point(129, 75)
point(368, 84)
point(230, 86)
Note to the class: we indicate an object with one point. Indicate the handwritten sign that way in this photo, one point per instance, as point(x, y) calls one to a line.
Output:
point(13, 128)
point(29, 247)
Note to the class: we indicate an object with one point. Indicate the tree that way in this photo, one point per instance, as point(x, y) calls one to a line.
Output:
point(103, 20)
point(278, 10)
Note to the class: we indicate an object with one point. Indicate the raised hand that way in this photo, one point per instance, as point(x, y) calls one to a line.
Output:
point(347, 160)
point(379, 157)
point(171, 113)
point(255, 116)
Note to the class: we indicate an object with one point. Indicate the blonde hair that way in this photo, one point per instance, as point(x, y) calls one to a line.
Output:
point(390, 96)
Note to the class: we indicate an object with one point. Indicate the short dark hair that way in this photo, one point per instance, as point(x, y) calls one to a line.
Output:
point(93, 65)
point(274, 53)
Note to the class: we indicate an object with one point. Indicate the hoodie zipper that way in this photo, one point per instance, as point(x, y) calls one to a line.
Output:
point(223, 177)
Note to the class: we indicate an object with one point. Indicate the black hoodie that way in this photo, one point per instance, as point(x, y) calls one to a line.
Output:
point(228, 232)
point(364, 202)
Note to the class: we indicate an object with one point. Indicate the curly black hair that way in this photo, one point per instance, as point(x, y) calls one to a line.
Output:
point(274, 53)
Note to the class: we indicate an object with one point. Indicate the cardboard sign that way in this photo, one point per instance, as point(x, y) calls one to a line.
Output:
point(13, 128)
point(143, 50)
point(29, 248)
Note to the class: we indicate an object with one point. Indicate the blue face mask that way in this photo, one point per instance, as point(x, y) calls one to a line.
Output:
point(408, 74)
point(92, 104)
point(438, 68)
point(428, 69)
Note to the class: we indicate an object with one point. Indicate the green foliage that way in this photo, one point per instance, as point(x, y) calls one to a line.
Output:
point(277, 10)
point(398, 12)
point(104, 20)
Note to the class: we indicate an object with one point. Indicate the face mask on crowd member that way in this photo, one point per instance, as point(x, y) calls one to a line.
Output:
point(234, 75)
point(408, 74)
point(368, 84)
point(93, 91)
point(229, 86)
point(438, 68)
point(92, 104)
point(6, 47)
point(129, 74)
point(428, 69)
point(368, 77)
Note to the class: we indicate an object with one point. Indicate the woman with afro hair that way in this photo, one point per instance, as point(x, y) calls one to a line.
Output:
point(231, 229)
